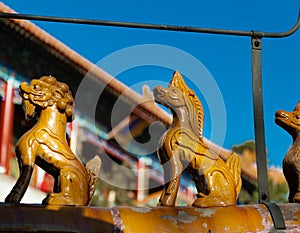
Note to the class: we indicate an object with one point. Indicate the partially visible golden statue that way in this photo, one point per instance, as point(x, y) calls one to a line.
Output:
point(46, 146)
point(182, 147)
point(290, 121)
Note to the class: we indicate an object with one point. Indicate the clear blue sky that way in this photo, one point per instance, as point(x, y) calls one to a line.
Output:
point(227, 58)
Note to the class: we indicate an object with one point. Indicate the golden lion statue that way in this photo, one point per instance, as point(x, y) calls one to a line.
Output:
point(182, 147)
point(46, 146)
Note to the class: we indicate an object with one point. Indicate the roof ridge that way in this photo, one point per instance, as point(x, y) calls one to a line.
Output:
point(87, 65)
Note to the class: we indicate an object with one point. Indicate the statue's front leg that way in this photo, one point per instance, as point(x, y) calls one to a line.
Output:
point(292, 176)
point(294, 186)
point(169, 194)
point(21, 185)
point(172, 173)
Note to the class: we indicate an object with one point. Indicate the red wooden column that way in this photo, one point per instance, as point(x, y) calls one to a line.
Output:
point(141, 182)
point(6, 125)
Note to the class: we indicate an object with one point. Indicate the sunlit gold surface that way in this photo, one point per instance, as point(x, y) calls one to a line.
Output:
point(46, 145)
point(182, 147)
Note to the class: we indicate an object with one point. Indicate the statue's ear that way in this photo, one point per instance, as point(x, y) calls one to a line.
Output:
point(297, 108)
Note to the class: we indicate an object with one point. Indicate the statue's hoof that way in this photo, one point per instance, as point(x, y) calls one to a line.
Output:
point(58, 199)
point(166, 201)
point(297, 198)
point(208, 201)
point(13, 198)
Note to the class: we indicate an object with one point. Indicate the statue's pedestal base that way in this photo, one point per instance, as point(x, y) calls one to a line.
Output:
point(250, 218)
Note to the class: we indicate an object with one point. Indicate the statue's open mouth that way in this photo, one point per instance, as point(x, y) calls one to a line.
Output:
point(280, 118)
point(159, 93)
point(281, 115)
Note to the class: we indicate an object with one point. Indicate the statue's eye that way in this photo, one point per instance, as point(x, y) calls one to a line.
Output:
point(297, 116)
point(35, 87)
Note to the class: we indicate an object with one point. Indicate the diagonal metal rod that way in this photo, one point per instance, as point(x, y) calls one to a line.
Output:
point(153, 26)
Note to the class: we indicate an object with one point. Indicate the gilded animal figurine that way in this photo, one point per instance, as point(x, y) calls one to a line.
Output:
point(290, 121)
point(45, 145)
point(182, 147)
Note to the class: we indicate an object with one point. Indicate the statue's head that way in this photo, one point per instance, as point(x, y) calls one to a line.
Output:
point(45, 92)
point(290, 121)
point(173, 96)
point(179, 95)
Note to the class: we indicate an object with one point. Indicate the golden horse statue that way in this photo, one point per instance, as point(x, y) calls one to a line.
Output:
point(182, 147)
point(46, 146)
point(290, 121)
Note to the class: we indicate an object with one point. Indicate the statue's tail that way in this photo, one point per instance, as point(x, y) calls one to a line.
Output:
point(92, 168)
point(234, 164)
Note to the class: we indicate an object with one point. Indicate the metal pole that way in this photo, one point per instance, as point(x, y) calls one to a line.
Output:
point(260, 144)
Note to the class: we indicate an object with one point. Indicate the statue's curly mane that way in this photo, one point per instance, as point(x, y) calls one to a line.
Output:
point(196, 117)
point(47, 91)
